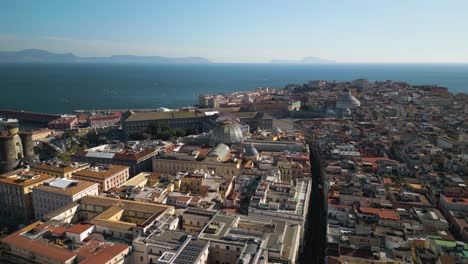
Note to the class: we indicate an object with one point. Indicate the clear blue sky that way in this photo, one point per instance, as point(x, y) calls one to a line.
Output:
point(243, 30)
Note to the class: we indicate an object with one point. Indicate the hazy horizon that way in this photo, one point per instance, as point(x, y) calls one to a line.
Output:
point(360, 31)
point(287, 61)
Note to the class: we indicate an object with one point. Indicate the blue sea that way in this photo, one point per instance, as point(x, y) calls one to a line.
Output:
point(60, 88)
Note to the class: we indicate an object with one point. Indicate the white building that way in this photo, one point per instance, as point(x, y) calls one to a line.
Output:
point(60, 192)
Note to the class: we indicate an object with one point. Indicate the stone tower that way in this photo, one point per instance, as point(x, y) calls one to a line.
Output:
point(15, 146)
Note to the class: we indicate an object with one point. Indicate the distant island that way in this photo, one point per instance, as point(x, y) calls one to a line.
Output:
point(306, 60)
point(43, 56)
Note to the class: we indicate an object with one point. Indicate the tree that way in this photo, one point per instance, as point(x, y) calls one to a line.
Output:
point(179, 132)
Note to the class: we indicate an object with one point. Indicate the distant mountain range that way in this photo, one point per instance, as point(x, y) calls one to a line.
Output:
point(42, 56)
point(306, 60)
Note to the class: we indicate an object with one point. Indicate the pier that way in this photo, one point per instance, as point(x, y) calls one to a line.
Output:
point(28, 116)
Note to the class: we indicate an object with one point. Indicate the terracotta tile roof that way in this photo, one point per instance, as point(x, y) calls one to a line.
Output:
point(231, 210)
point(63, 120)
point(388, 214)
point(20, 178)
point(154, 195)
point(373, 160)
point(59, 230)
point(104, 117)
point(184, 199)
point(133, 155)
point(4, 134)
point(69, 191)
point(342, 206)
point(82, 117)
point(388, 181)
point(100, 252)
point(458, 200)
point(203, 151)
point(37, 247)
point(195, 199)
point(62, 168)
point(79, 228)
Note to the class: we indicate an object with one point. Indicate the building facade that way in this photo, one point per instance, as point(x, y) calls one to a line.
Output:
point(59, 169)
point(16, 204)
point(60, 192)
point(107, 176)
point(139, 122)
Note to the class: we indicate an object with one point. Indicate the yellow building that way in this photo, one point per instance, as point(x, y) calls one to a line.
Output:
point(16, 205)
point(42, 134)
point(120, 219)
point(173, 166)
point(138, 181)
point(192, 182)
point(153, 179)
point(194, 220)
point(289, 169)
point(60, 169)
point(107, 176)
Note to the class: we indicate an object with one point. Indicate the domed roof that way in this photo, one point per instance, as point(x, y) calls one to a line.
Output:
point(251, 151)
point(220, 151)
point(226, 132)
point(276, 131)
point(346, 100)
point(330, 112)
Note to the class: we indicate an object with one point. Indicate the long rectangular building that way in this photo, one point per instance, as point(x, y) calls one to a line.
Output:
point(138, 160)
point(107, 176)
point(138, 122)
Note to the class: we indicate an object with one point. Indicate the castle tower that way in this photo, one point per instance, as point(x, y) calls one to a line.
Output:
point(11, 146)
point(28, 145)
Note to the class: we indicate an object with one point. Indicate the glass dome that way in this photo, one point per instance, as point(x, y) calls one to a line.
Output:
point(227, 132)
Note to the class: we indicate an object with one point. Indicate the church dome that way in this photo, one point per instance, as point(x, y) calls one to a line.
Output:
point(276, 131)
point(251, 153)
point(226, 132)
point(346, 100)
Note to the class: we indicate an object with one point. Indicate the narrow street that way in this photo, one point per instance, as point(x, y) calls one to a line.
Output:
point(315, 238)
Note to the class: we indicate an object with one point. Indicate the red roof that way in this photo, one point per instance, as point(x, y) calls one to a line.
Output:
point(388, 181)
point(63, 120)
point(184, 199)
point(38, 247)
point(103, 117)
point(79, 228)
point(54, 229)
point(82, 118)
point(4, 134)
point(203, 151)
point(100, 252)
point(458, 200)
point(195, 199)
point(344, 206)
point(388, 214)
point(133, 155)
point(373, 160)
